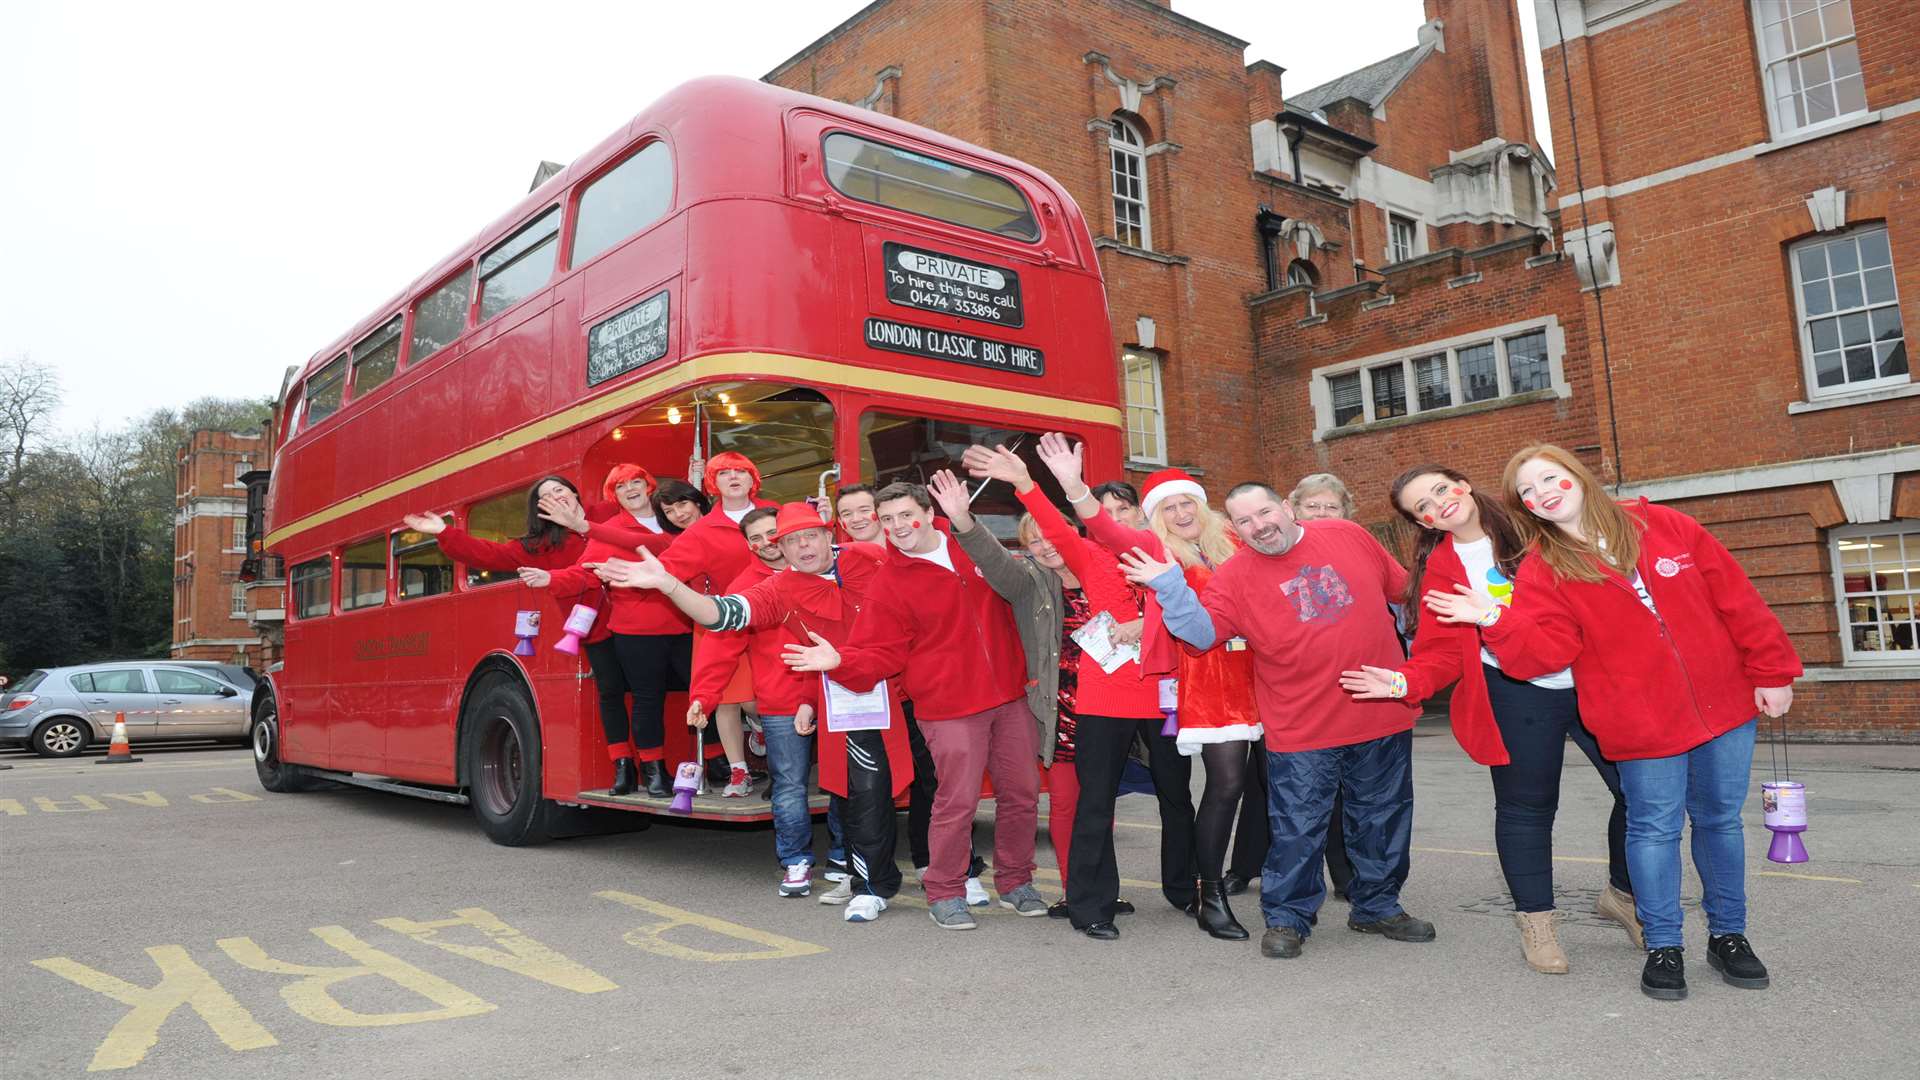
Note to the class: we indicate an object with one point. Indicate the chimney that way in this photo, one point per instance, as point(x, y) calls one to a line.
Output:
point(1487, 65)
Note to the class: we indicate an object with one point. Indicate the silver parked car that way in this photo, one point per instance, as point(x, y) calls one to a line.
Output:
point(60, 711)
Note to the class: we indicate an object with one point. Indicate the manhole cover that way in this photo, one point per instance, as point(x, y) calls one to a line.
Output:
point(1574, 905)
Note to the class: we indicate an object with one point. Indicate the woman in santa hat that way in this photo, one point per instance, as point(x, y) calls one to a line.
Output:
point(1213, 691)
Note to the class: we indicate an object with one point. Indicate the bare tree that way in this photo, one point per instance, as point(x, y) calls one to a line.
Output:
point(29, 395)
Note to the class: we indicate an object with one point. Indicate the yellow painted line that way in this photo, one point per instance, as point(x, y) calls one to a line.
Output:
point(1811, 877)
point(1495, 854)
point(788, 369)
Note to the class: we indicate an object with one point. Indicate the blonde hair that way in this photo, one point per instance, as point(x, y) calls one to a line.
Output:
point(1322, 481)
point(1612, 536)
point(1214, 546)
point(1029, 530)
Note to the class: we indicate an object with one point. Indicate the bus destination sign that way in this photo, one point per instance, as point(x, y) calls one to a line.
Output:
point(959, 348)
point(628, 340)
point(931, 281)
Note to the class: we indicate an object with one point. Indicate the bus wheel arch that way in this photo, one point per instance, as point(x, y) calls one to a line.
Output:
point(263, 735)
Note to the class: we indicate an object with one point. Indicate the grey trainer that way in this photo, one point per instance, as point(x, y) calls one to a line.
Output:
point(1024, 900)
point(952, 914)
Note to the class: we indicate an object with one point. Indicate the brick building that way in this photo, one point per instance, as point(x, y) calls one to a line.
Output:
point(212, 607)
point(1749, 182)
point(1385, 269)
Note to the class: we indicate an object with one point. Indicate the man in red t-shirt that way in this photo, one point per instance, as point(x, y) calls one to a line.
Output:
point(1311, 601)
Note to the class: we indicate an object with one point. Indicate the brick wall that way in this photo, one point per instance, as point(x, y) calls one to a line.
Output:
point(209, 503)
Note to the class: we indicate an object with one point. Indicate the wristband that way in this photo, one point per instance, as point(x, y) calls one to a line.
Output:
point(1492, 616)
point(1397, 685)
point(1085, 493)
point(671, 589)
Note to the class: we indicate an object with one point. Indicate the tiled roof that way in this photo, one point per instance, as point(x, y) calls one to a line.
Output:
point(1370, 84)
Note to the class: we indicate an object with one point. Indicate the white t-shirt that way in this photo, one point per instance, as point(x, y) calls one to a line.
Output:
point(649, 523)
point(1639, 586)
point(736, 515)
point(1483, 573)
point(937, 555)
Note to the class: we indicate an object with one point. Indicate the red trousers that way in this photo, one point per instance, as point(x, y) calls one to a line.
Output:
point(1063, 792)
point(1002, 741)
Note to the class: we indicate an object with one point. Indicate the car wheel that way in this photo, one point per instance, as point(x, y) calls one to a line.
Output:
point(62, 736)
point(264, 733)
point(503, 764)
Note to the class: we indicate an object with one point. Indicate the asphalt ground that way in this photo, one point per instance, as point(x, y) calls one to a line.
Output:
point(297, 936)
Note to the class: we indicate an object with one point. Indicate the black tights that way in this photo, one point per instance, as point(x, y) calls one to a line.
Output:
point(1219, 802)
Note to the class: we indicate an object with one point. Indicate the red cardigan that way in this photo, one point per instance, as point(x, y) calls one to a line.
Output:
point(946, 632)
point(1650, 685)
point(633, 611)
point(1127, 692)
point(1446, 652)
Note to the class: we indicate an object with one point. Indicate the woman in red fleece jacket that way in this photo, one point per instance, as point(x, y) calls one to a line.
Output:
point(1674, 654)
point(1518, 727)
point(552, 542)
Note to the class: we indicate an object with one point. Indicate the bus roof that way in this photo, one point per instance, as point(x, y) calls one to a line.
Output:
point(727, 109)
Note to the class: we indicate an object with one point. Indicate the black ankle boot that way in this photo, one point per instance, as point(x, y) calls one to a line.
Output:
point(1214, 916)
point(654, 775)
point(625, 777)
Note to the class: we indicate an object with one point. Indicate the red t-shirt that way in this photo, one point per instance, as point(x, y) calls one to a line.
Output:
point(1308, 615)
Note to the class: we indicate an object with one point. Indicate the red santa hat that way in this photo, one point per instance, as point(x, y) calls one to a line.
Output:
point(620, 474)
point(796, 517)
point(1166, 483)
point(729, 460)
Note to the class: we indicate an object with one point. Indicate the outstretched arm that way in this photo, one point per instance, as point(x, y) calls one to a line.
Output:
point(1180, 607)
point(648, 573)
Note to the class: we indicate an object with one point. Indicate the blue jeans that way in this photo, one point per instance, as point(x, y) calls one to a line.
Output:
point(1375, 782)
point(789, 759)
point(1707, 784)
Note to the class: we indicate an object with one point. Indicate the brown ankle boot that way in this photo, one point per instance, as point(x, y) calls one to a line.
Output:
point(1539, 942)
point(1618, 906)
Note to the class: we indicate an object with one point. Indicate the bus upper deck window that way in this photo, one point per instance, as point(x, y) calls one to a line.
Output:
point(625, 200)
point(375, 357)
point(440, 317)
point(904, 180)
point(323, 391)
point(519, 265)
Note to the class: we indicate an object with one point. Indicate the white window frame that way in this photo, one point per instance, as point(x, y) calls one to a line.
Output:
point(1815, 391)
point(1155, 411)
point(1772, 66)
point(1498, 336)
point(1910, 529)
point(238, 607)
point(1394, 255)
point(239, 534)
point(1126, 143)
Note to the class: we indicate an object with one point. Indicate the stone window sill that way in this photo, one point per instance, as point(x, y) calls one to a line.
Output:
point(1864, 397)
point(1110, 244)
point(1867, 672)
point(1831, 127)
point(1529, 398)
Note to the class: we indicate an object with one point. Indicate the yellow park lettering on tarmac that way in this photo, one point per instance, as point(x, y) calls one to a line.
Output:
point(311, 998)
point(139, 798)
point(182, 982)
point(652, 938)
point(518, 953)
point(224, 795)
point(13, 808)
point(86, 804)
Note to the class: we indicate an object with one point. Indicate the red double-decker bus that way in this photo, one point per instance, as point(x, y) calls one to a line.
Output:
point(739, 268)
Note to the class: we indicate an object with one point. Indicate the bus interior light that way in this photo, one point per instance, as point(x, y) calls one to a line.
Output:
point(732, 410)
point(673, 414)
point(619, 433)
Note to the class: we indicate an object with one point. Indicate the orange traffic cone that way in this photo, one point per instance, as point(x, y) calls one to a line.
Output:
point(120, 753)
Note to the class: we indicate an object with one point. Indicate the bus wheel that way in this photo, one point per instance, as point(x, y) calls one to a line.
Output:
point(503, 765)
point(264, 734)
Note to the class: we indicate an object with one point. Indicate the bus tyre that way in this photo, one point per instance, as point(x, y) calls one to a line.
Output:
point(264, 735)
point(503, 764)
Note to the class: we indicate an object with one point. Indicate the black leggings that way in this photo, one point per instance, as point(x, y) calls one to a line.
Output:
point(611, 682)
point(653, 665)
point(1227, 779)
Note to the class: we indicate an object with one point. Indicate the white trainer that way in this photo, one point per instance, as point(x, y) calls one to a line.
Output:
point(798, 880)
point(841, 892)
point(977, 893)
point(865, 908)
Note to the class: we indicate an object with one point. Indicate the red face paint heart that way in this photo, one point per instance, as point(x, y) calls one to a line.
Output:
point(1428, 518)
point(1459, 491)
point(1529, 503)
point(1566, 485)
point(916, 524)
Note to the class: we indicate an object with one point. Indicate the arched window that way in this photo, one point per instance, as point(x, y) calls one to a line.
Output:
point(1300, 272)
point(1128, 151)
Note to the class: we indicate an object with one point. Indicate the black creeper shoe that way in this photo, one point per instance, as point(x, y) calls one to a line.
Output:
point(1665, 976)
point(1732, 957)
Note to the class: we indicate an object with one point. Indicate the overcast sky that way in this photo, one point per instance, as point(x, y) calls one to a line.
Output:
point(197, 195)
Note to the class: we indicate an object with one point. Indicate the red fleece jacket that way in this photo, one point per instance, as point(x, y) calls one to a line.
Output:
point(946, 632)
point(777, 689)
point(633, 611)
point(711, 553)
point(1650, 685)
point(1446, 652)
point(1128, 692)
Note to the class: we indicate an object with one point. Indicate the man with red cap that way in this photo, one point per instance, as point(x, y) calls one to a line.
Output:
point(934, 621)
point(863, 748)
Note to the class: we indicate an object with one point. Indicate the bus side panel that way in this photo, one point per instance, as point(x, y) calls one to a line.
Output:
point(427, 413)
point(739, 296)
point(302, 696)
point(570, 739)
point(363, 455)
point(356, 705)
point(422, 698)
point(505, 374)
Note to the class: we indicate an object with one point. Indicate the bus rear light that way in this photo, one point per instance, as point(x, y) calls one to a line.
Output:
point(21, 702)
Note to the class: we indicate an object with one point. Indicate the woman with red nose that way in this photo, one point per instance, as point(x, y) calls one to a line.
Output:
point(1517, 727)
point(1674, 657)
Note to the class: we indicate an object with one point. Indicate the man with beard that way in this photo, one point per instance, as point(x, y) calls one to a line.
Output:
point(1311, 601)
